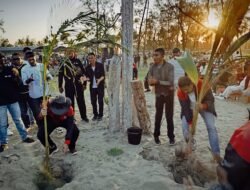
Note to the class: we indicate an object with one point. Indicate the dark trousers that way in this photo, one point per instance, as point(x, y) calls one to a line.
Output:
point(168, 101)
point(23, 104)
point(146, 85)
point(35, 105)
point(97, 94)
point(71, 92)
point(51, 126)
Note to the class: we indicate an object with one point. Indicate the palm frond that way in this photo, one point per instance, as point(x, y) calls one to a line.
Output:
point(232, 15)
point(236, 45)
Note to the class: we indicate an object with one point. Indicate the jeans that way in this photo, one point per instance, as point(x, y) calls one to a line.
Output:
point(209, 120)
point(16, 116)
point(168, 101)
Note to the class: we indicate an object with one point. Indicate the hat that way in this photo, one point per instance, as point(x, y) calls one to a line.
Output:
point(59, 105)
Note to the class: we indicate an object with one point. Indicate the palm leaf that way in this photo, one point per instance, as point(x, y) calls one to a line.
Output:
point(236, 45)
point(232, 16)
point(187, 63)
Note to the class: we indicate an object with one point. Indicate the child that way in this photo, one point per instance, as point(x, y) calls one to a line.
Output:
point(187, 97)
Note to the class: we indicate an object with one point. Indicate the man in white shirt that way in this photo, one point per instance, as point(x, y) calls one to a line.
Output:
point(178, 70)
point(32, 75)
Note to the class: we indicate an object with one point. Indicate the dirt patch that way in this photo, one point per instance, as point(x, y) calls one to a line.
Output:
point(61, 173)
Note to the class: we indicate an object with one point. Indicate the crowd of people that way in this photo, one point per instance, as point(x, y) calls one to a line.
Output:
point(23, 87)
point(25, 94)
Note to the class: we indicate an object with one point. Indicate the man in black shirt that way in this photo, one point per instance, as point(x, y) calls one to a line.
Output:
point(9, 85)
point(71, 71)
point(96, 76)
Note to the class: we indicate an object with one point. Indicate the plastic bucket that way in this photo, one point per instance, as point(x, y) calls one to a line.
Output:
point(134, 135)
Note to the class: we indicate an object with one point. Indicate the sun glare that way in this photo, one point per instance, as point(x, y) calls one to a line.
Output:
point(212, 20)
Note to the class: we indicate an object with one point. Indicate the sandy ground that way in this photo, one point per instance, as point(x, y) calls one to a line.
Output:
point(143, 167)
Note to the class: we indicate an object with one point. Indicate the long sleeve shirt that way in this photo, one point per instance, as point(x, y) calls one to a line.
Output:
point(71, 70)
point(164, 73)
point(36, 86)
point(178, 71)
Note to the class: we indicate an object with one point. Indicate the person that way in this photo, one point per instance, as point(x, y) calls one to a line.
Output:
point(187, 97)
point(60, 113)
point(234, 170)
point(32, 75)
point(25, 62)
point(23, 91)
point(161, 76)
point(71, 71)
point(145, 60)
point(178, 70)
point(95, 74)
point(203, 69)
point(135, 72)
point(146, 84)
point(243, 87)
point(9, 85)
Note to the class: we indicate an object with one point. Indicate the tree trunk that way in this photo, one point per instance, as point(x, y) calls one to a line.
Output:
point(139, 36)
point(114, 93)
point(127, 58)
point(141, 107)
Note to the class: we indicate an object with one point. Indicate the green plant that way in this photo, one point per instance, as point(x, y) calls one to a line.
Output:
point(115, 152)
point(223, 48)
point(48, 49)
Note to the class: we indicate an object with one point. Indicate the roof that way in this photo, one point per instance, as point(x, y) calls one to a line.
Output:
point(16, 49)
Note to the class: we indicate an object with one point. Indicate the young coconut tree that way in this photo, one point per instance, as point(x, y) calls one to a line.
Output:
point(223, 48)
point(47, 53)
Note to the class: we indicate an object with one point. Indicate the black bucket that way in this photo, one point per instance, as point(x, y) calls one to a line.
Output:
point(134, 135)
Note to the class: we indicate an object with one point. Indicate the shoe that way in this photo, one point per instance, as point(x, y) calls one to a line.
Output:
point(157, 140)
point(95, 118)
point(9, 132)
point(172, 142)
point(3, 147)
point(85, 119)
point(73, 152)
point(53, 150)
point(148, 90)
point(28, 140)
point(99, 118)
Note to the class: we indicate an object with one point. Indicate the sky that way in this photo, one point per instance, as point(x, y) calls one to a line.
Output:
point(25, 18)
point(33, 18)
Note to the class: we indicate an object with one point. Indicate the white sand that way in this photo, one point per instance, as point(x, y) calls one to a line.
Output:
point(94, 169)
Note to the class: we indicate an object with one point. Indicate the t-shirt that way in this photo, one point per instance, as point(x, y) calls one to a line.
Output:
point(192, 99)
point(178, 71)
point(94, 79)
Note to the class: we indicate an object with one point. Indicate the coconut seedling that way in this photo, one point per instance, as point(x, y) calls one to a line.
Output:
point(223, 47)
point(66, 27)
